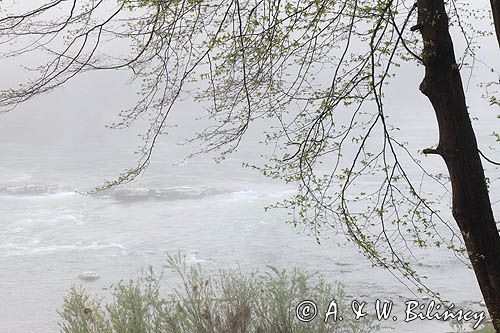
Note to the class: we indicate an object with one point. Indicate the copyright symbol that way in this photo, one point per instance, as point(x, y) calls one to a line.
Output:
point(306, 311)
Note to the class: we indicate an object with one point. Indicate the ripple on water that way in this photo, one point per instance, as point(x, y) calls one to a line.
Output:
point(25, 245)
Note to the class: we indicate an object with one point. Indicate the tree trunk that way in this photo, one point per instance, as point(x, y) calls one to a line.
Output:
point(495, 9)
point(458, 147)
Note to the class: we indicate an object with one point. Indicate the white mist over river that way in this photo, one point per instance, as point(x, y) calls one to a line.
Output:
point(214, 213)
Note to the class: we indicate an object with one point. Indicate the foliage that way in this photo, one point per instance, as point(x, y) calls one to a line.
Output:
point(228, 302)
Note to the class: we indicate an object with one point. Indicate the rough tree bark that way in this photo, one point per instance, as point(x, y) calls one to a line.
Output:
point(472, 210)
point(495, 9)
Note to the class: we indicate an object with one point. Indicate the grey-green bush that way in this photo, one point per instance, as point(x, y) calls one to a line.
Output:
point(228, 302)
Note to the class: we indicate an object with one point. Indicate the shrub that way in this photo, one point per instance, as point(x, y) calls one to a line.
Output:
point(229, 302)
